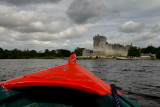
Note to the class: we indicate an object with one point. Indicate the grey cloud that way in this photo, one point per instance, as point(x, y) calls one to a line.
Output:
point(26, 2)
point(85, 44)
point(30, 21)
point(11, 17)
point(141, 39)
point(38, 26)
point(81, 11)
point(131, 27)
point(7, 17)
point(156, 27)
point(40, 23)
point(74, 32)
point(145, 39)
point(20, 25)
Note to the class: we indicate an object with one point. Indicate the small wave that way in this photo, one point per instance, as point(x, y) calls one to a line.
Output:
point(148, 85)
point(144, 95)
point(94, 71)
point(140, 70)
point(126, 70)
point(113, 81)
point(94, 67)
point(103, 65)
point(148, 66)
point(3, 75)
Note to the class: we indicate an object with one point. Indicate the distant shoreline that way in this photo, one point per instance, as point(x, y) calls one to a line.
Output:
point(82, 58)
point(115, 58)
point(40, 58)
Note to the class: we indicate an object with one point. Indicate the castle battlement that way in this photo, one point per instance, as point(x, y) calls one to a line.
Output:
point(102, 48)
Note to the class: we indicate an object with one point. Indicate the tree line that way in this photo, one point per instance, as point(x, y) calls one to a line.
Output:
point(136, 52)
point(19, 54)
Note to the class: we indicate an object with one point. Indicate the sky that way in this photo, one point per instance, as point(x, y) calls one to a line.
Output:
point(67, 24)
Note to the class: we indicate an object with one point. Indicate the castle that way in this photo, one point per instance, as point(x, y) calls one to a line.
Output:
point(102, 48)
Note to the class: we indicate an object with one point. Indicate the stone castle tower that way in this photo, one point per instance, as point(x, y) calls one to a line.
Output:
point(102, 48)
point(99, 45)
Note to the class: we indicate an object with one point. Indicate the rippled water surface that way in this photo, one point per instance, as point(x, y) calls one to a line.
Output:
point(137, 79)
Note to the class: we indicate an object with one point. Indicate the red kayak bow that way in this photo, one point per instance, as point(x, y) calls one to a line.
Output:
point(70, 75)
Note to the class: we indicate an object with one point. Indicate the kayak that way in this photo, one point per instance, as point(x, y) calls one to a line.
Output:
point(67, 85)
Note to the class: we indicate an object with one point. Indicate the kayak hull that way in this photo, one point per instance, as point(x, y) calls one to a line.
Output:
point(58, 97)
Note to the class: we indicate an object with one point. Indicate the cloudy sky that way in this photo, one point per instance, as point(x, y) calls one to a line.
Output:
point(67, 24)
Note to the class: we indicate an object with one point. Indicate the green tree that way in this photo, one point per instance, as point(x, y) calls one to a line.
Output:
point(25, 53)
point(158, 54)
point(78, 51)
point(63, 53)
point(16, 54)
point(133, 52)
point(149, 49)
point(47, 52)
point(6, 54)
point(41, 54)
point(53, 53)
point(32, 53)
point(1, 53)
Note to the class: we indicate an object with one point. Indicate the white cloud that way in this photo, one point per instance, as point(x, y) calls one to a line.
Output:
point(141, 40)
point(12, 17)
point(74, 32)
point(2, 30)
point(86, 44)
point(29, 25)
point(67, 41)
point(131, 27)
point(25, 28)
point(30, 21)
point(37, 25)
point(145, 39)
point(63, 22)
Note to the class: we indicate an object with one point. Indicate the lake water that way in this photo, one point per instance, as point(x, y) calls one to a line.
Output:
point(137, 79)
